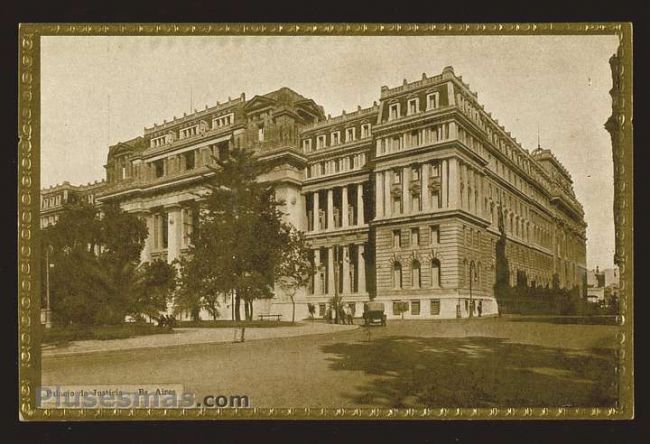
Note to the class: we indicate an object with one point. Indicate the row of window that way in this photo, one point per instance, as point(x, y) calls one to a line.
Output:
point(413, 106)
point(191, 131)
point(413, 139)
point(335, 138)
point(189, 160)
point(414, 238)
point(48, 202)
point(416, 275)
point(335, 166)
point(413, 307)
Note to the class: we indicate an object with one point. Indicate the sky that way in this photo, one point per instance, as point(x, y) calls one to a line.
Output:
point(97, 91)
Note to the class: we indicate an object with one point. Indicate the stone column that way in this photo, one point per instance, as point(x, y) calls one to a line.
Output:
point(425, 197)
point(361, 269)
point(406, 192)
point(454, 183)
point(330, 209)
point(174, 232)
point(379, 195)
point(145, 255)
point(317, 286)
point(346, 270)
point(330, 270)
point(344, 206)
point(360, 210)
point(316, 208)
point(444, 182)
point(388, 198)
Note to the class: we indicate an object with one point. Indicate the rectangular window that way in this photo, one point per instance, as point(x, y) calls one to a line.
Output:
point(435, 170)
point(412, 106)
point(260, 134)
point(320, 142)
point(435, 235)
point(415, 202)
point(432, 101)
point(190, 158)
point(394, 111)
point(415, 308)
point(397, 205)
point(435, 306)
point(349, 134)
point(415, 237)
point(397, 176)
point(306, 145)
point(159, 168)
point(223, 150)
point(397, 239)
point(335, 138)
point(365, 130)
point(415, 173)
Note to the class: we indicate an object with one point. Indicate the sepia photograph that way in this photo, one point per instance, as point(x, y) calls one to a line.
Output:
point(253, 221)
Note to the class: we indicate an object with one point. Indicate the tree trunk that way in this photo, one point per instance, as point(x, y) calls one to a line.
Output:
point(251, 309)
point(237, 303)
point(293, 310)
point(247, 310)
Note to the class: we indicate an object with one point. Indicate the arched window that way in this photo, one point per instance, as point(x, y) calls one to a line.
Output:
point(435, 273)
point(397, 275)
point(416, 275)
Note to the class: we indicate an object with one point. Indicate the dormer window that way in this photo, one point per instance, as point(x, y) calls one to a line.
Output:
point(432, 100)
point(306, 145)
point(412, 106)
point(393, 111)
point(365, 130)
point(336, 138)
point(350, 134)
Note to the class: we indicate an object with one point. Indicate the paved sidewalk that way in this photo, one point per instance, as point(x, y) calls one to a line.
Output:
point(187, 336)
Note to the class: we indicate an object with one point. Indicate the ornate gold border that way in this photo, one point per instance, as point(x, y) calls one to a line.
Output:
point(29, 197)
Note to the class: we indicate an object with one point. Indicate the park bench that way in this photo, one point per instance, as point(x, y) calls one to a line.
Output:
point(263, 317)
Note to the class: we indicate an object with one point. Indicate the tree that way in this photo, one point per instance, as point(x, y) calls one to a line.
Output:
point(296, 268)
point(96, 277)
point(241, 240)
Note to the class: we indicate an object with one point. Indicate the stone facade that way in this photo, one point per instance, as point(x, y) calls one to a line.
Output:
point(399, 200)
point(55, 197)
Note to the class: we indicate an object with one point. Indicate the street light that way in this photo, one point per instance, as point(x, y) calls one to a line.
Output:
point(48, 307)
point(472, 273)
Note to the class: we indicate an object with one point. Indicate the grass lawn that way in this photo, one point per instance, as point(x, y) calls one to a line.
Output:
point(62, 335)
point(231, 324)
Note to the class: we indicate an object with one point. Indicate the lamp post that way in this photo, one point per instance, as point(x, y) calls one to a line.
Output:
point(48, 307)
point(472, 272)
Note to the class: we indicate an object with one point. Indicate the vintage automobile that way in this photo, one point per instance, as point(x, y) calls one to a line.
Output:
point(373, 314)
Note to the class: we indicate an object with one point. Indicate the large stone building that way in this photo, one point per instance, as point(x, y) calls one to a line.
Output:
point(401, 198)
point(54, 198)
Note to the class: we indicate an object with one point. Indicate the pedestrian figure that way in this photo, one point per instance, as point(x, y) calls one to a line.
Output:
point(480, 308)
point(348, 315)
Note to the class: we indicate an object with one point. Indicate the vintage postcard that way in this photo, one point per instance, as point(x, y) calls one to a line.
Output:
point(322, 221)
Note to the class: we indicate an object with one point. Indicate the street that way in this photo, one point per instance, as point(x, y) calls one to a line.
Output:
point(472, 363)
